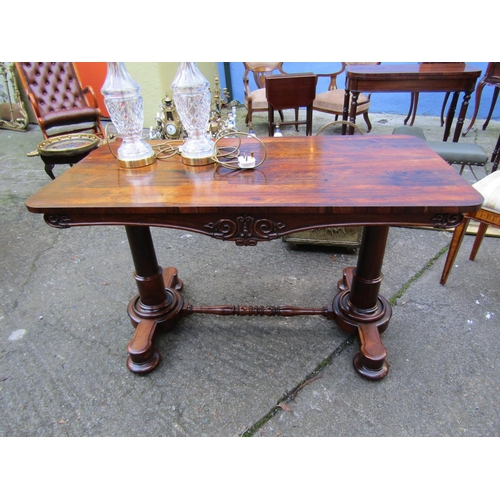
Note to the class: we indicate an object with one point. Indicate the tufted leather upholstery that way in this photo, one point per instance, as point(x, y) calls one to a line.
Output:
point(57, 97)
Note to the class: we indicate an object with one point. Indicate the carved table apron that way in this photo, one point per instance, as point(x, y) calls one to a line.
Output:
point(305, 183)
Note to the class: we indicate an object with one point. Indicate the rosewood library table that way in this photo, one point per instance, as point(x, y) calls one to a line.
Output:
point(424, 77)
point(304, 183)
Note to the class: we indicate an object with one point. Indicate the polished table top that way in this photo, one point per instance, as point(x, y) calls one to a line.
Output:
point(347, 179)
point(416, 78)
point(412, 77)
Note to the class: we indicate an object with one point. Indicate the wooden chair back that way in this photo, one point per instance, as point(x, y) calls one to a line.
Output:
point(260, 70)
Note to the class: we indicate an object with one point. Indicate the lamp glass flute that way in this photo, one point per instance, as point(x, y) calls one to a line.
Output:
point(191, 92)
point(123, 100)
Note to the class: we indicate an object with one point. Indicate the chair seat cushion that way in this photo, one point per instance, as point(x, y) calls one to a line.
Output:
point(489, 187)
point(409, 130)
point(333, 102)
point(70, 116)
point(259, 101)
point(451, 152)
point(459, 153)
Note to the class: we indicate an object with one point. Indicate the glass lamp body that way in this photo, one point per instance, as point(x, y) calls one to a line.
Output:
point(191, 92)
point(123, 100)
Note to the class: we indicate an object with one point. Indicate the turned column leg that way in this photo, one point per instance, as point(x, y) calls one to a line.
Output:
point(345, 111)
point(495, 156)
point(479, 91)
point(450, 115)
point(461, 117)
point(354, 110)
point(158, 303)
point(492, 107)
point(359, 309)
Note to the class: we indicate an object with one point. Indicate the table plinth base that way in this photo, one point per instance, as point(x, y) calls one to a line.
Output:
point(361, 365)
point(147, 319)
point(368, 324)
point(357, 308)
point(143, 357)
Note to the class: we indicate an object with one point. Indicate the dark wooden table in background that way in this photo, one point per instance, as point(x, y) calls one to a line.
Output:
point(435, 77)
point(305, 183)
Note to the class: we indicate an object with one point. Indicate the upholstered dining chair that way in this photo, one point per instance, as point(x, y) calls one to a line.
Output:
point(59, 102)
point(332, 101)
point(488, 214)
point(255, 100)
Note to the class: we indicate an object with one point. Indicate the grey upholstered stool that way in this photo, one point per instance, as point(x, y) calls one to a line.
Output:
point(454, 153)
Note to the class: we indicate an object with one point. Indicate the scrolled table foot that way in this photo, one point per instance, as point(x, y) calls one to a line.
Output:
point(147, 366)
point(370, 362)
point(368, 324)
point(361, 365)
point(143, 357)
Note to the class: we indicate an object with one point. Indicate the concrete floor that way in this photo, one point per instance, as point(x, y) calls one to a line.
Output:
point(64, 329)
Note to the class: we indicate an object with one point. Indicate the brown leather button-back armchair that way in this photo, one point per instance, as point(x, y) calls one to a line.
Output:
point(59, 102)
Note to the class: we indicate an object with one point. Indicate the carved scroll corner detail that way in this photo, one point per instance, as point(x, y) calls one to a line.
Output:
point(245, 230)
point(58, 221)
point(444, 221)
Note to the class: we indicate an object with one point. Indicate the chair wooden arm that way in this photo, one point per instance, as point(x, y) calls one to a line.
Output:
point(89, 90)
point(36, 111)
point(333, 77)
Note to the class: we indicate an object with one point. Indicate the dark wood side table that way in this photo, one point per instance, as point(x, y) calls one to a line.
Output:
point(66, 150)
point(491, 77)
point(305, 183)
point(291, 91)
point(435, 77)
